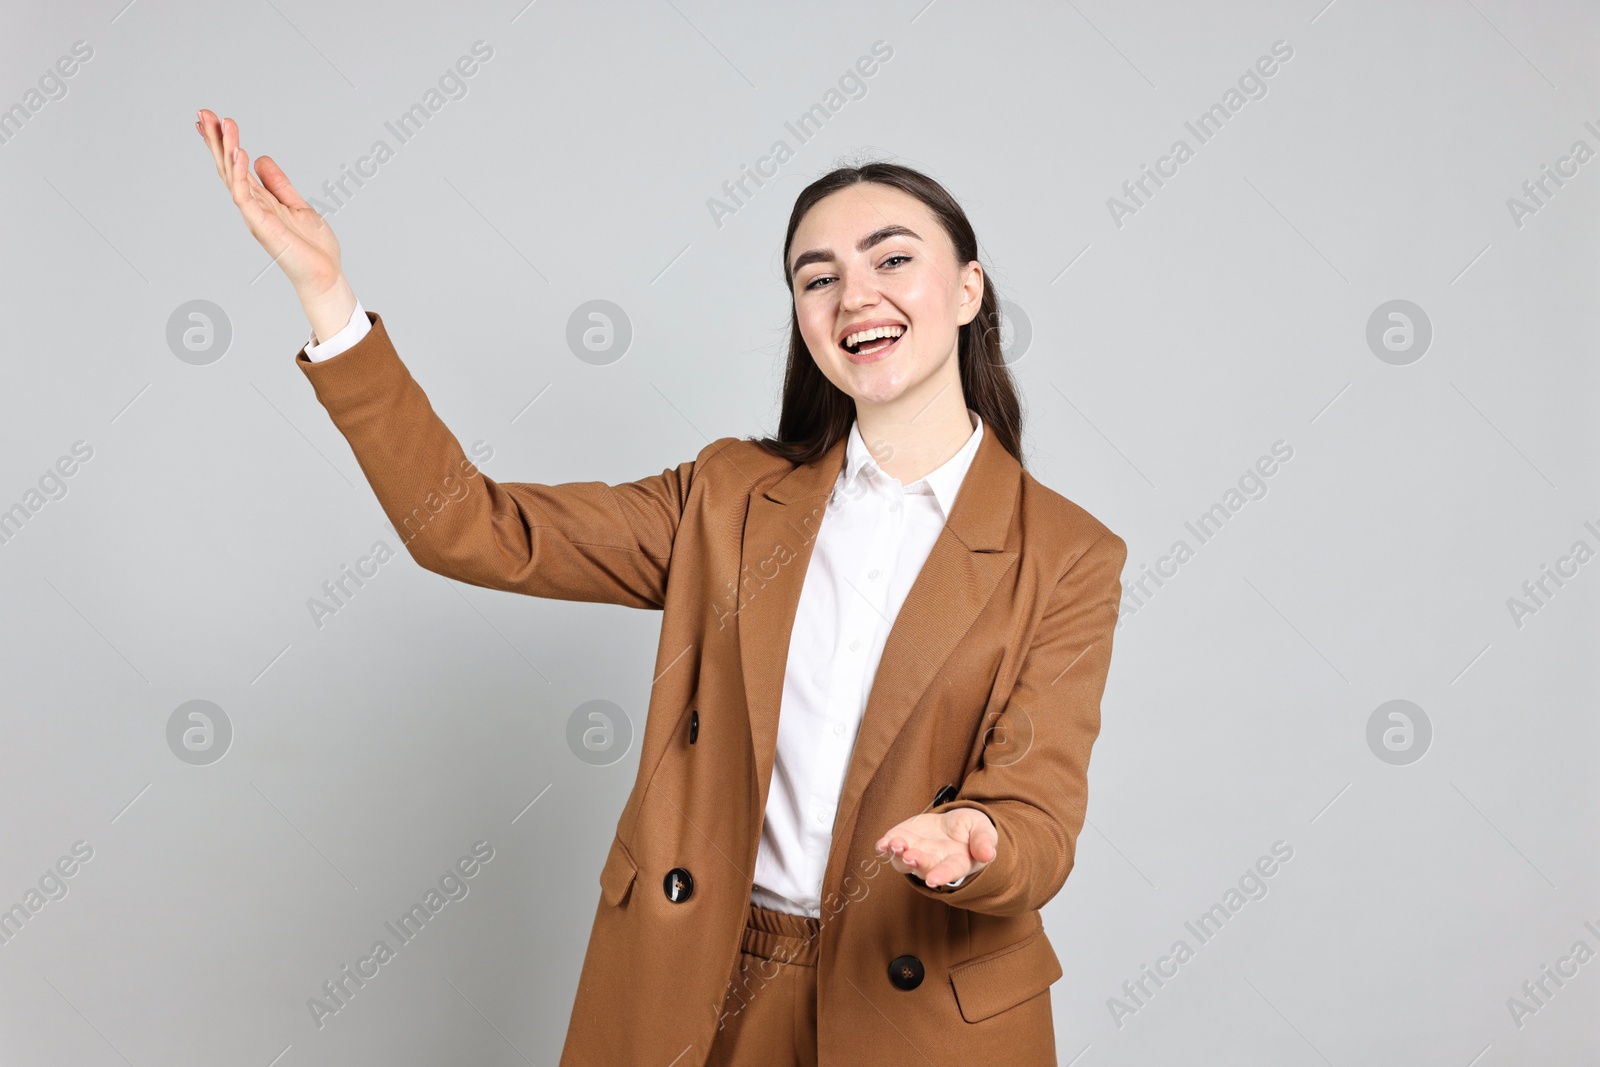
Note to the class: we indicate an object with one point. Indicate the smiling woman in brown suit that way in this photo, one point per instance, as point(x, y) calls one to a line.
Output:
point(859, 879)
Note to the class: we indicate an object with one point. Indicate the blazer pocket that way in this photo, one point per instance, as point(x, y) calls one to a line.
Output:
point(618, 874)
point(989, 984)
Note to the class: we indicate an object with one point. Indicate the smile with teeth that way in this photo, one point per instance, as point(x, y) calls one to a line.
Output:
point(863, 341)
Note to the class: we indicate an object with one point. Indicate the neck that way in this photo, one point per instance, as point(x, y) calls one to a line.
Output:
point(912, 435)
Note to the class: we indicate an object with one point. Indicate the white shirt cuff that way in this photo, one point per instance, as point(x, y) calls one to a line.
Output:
point(345, 339)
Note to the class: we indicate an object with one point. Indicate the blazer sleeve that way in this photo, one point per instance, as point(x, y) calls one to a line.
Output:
point(575, 541)
point(1033, 780)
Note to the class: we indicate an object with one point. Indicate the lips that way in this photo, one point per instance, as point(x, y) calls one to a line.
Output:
point(866, 341)
point(874, 350)
point(880, 326)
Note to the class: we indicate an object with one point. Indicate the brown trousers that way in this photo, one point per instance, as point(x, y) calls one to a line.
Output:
point(770, 1016)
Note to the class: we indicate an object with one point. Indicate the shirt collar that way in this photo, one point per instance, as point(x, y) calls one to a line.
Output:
point(943, 481)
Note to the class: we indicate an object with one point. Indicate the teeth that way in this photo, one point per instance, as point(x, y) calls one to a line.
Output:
point(873, 334)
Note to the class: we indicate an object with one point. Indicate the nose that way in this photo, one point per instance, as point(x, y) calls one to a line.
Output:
point(859, 289)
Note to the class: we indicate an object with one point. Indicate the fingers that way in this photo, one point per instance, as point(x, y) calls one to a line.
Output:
point(909, 845)
point(233, 164)
point(239, 177)
point(959, 842)
point(230, 142)
point(257, 205)
point(211, 133)
point(897, 849)
point(929, 864)
point(933, 868)
point(277, 183)
point(222, 137)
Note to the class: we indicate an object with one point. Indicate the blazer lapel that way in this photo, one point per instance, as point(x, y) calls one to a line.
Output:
point(966, 563)
point(779, 533)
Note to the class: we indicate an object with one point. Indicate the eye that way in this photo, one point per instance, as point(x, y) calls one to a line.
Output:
point(815, 282)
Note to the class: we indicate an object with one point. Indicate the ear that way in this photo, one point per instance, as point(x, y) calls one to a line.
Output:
point(971, 293)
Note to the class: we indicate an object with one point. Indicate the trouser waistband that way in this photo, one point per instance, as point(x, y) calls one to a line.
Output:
point(781, 936)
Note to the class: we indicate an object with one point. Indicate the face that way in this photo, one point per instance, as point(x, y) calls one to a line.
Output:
point(870, 255)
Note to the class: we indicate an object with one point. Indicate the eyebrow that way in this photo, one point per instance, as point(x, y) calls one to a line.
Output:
point(825, 255)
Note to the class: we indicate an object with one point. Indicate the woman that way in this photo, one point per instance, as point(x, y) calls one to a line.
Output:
point(858, 879)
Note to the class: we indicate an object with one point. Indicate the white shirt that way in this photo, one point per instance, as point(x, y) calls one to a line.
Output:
point(875, 536)
point(353, 331)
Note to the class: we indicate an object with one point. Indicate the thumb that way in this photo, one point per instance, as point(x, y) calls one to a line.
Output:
point(277, 183)
point(983, 842)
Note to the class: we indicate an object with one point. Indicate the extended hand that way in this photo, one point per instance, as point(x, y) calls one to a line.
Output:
point(940, 847)
point(297, 238)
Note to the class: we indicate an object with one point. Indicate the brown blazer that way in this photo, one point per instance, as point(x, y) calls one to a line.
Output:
point(990, 682)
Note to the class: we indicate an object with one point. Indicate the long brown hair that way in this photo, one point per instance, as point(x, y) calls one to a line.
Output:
point(816, 414)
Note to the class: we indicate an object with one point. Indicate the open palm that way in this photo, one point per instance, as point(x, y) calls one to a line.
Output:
point(298, 239)
point(939, 847)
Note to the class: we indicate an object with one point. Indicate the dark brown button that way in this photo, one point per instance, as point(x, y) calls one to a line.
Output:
point(905, 972)
point(694, 726)
point(945, 795)
point(678, 885)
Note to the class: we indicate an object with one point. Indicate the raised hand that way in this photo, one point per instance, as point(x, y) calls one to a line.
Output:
point(940, 847)
point(298, 239)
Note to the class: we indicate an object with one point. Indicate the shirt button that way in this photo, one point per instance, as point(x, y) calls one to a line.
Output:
point(894, 505)
point(822, 816)
point(838, 727)
point(873, 573)
point(855, 646)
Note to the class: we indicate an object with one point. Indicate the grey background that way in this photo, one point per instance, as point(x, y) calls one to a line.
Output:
point(1166, 356)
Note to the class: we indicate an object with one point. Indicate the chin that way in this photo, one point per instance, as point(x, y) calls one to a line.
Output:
point(877, 388)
